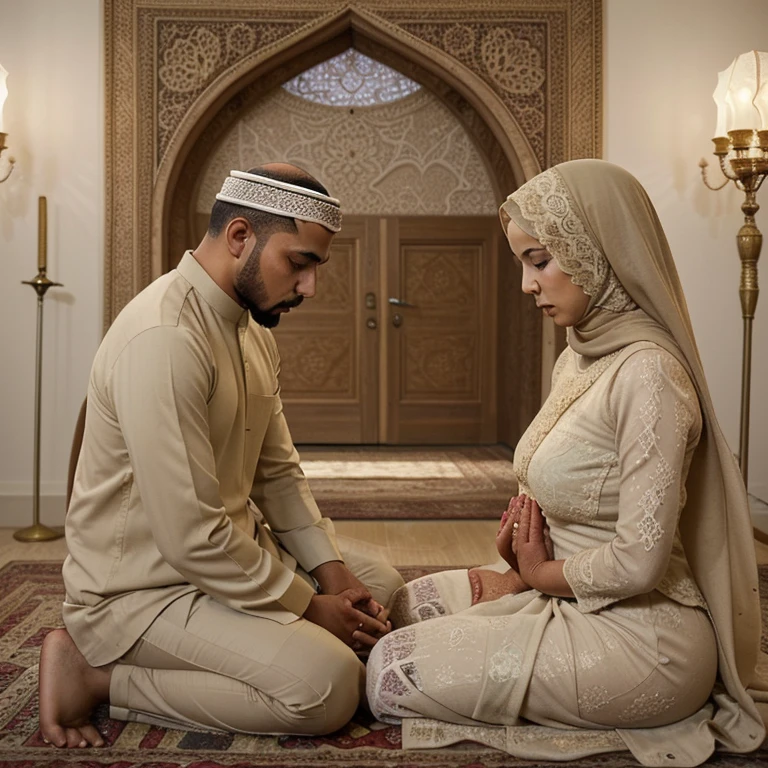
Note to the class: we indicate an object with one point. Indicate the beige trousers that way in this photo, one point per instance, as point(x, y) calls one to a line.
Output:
point(202, 665)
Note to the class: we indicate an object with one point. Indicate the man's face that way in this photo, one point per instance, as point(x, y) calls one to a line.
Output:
point(279, 276)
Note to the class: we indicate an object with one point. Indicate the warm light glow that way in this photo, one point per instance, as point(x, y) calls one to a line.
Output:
point(3, 94)
point(742, 94)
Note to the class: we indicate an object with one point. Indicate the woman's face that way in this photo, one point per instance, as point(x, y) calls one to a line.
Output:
point(552, 288)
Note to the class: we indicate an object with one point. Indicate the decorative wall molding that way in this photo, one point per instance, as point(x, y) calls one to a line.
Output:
point(523, 76)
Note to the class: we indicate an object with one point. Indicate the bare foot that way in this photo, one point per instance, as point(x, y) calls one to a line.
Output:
point(69, 690)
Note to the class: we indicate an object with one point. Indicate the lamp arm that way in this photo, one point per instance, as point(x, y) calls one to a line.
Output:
point(703, 164)
point(11, 165)
point(11, 160)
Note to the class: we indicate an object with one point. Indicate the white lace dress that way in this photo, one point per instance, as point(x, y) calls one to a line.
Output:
point(634, 653)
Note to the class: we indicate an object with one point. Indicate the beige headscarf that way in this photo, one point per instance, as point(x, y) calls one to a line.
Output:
point(597, 221)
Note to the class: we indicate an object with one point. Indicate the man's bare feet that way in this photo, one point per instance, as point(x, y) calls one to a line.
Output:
point(69, 690)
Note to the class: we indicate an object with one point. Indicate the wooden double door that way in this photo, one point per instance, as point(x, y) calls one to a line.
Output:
point(398, 346)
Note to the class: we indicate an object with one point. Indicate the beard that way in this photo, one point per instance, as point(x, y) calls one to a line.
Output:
point(249, 286)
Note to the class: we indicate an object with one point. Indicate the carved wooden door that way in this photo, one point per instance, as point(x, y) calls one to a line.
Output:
point(329, 355)
point(398, 345)
point(441, 330)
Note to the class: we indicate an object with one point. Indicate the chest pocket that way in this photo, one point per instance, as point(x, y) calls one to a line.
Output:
point(567, 476)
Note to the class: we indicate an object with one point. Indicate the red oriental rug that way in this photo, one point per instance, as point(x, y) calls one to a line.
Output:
point(30, 606)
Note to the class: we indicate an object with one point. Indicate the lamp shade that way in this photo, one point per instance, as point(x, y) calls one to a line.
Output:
point(3, 94)
point(742, 94)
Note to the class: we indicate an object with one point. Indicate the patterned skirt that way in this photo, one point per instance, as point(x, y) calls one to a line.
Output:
point(641, 663)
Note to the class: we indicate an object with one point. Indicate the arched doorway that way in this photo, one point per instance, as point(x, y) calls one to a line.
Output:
point(525, 83)
point(401, 343)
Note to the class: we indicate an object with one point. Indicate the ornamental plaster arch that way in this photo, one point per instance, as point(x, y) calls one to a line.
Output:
point(511, 156)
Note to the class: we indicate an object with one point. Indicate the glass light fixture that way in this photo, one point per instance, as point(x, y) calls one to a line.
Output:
point(742, 94)
point(3, 97)
point(3, 93)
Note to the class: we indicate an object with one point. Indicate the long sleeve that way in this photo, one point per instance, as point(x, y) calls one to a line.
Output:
point(657, 420)
point(160, 388)
point(281, 491)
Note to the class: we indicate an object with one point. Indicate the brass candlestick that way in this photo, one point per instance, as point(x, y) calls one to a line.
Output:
point(41, 284)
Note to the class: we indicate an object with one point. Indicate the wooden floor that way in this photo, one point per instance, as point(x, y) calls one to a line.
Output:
point(400, 542)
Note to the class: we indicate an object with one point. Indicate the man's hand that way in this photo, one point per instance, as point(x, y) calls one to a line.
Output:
point(338, 614)
point(334, 578)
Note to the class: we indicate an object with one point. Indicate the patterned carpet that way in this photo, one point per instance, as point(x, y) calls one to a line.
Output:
point(30, 605)
point(390, 483)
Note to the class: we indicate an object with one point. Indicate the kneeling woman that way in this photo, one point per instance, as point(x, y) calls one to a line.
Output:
point(627, 614)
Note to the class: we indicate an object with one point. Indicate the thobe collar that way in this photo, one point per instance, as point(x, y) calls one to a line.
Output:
point(192, 271)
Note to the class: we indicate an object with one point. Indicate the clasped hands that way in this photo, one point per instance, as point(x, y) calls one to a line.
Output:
point(346, 608)
point(523, 541)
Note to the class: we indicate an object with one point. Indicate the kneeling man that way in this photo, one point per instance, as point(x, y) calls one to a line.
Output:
point(203, 588)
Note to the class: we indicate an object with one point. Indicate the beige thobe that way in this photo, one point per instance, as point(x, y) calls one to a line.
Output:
point(185, 459)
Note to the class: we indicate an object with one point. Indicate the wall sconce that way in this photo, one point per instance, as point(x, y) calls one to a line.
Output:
point(3, 97)
point(741, 146)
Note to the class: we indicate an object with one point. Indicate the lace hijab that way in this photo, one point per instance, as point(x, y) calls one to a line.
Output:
point(598, 223)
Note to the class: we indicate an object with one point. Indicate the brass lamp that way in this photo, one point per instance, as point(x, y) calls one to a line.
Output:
point(741, 146)
point(3, 97)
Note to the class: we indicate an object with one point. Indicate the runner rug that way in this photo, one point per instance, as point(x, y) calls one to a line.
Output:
point(30, 606)
point(416, 483)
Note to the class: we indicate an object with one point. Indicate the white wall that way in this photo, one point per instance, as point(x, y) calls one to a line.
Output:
point(661, 60)
point(53, 51)
point(661, 63)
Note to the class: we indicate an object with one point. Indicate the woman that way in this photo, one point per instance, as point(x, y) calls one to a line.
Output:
point(627, 615)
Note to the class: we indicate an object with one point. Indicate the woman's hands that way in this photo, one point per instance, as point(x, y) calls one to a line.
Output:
point(489, 585)
point(509, 530)
point(510, 521)
point(530, 541)
point(524, 542)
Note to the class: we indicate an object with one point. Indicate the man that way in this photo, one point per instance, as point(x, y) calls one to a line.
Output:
point(204, 590)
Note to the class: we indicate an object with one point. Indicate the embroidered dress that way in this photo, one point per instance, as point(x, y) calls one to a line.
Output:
point(621, 654)
point(658, 650)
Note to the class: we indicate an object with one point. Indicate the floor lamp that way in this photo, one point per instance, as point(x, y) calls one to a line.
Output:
point(741, 146)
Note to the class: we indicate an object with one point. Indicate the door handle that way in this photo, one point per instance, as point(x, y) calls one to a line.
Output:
point(399, 302)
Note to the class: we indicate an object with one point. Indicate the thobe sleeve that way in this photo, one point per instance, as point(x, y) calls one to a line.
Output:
point(160, 386)
point(281, 491)
point(655, 409)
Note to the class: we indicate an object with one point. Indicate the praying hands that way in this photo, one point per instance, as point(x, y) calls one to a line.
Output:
point(523, 541)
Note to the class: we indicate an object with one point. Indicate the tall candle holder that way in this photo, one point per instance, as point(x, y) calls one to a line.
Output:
point(41, 283)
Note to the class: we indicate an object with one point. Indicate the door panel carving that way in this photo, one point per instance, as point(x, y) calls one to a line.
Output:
point(328, 354)
point(441, 353)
